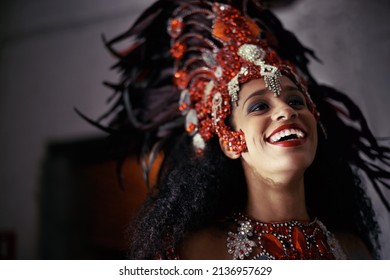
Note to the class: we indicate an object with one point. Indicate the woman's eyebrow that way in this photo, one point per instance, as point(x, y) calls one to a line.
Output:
point(257, 92)
point(291, 88)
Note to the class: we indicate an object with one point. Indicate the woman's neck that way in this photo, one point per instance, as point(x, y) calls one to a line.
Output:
point(270, 201)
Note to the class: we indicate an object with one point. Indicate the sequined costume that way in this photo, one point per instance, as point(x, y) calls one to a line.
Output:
point(286, 240)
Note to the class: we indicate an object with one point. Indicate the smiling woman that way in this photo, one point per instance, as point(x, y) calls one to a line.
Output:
point(260, 161)
point(281, 140)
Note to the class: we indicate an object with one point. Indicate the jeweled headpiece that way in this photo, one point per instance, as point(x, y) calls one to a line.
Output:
point(213, 56)
point(209, 50)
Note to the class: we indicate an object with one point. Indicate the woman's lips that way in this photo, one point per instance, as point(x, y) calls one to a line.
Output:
point(288, 135)
point(290, 143)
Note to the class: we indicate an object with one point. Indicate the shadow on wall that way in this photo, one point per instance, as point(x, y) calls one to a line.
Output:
point(84, 211)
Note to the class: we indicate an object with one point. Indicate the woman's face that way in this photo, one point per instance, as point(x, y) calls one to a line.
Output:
point(280, 132)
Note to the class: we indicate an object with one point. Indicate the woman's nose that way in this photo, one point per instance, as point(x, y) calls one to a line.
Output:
point(284, 112)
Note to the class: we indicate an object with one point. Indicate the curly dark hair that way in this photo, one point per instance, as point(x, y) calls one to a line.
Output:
point(192, 192)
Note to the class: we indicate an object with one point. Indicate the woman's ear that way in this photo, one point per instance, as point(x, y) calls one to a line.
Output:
point(228, 150)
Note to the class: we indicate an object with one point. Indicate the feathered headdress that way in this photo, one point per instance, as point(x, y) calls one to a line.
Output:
point(182, 70)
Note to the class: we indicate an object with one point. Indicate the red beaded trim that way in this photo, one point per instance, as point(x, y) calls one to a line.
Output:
point(288, 240)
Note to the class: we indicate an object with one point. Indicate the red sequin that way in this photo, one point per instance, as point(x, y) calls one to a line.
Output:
point(298, 239)
point(183, 107)
point(177, 50)
point(272, 245)
point(190, 128)
point(180, 79)
point(175, 27)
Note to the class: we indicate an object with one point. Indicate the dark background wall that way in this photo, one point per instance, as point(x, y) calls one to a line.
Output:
point(52, 59)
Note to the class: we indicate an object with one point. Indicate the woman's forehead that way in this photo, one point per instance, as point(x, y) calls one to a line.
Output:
point(259, 85)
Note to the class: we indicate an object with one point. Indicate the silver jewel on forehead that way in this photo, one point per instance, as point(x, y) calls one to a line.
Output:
point(251, 53)
point(273, 81)
point(270, 73)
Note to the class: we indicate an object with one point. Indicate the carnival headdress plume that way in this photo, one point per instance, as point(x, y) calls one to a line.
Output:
point(183, 67)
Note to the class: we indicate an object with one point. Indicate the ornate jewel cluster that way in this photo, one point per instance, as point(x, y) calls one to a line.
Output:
point(210, 69)
point(271, 74)
point(239, 244)
point(289, 240)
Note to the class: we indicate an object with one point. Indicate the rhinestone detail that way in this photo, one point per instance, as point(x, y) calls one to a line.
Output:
point(288, 240)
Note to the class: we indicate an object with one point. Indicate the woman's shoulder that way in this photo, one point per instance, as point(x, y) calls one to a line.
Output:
point(205, 244)
point(353, 246)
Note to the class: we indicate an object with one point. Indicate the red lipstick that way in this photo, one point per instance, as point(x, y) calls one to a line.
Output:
point(299, 136)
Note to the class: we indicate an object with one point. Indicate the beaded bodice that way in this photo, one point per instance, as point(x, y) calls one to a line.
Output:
point(287, 240)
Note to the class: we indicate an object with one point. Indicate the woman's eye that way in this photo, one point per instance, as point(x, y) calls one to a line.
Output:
point(258, 107)
point(297, 101)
